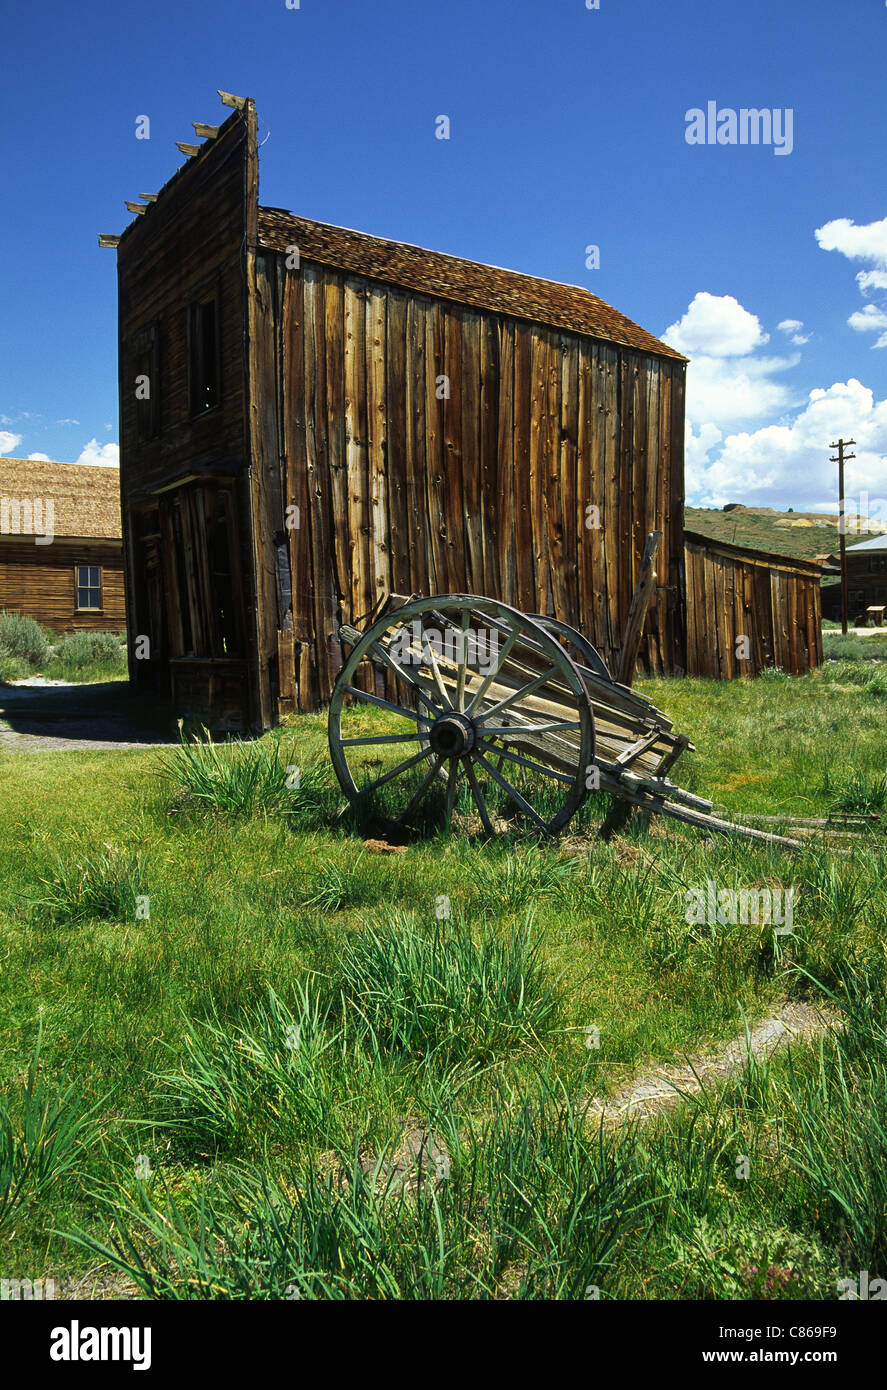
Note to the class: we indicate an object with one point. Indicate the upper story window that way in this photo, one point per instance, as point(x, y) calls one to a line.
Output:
point(203, 355)
point(145, 383)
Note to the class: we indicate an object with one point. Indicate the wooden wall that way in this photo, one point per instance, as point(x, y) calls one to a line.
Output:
point(190, 243)
point(774, 601)
point(39, 582)
point(484, 492)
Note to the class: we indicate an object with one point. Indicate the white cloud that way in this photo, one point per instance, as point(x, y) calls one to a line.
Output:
point(67, 422)
point(94, 452)
point(789, 464)
point(727, 391)
point(869, 280)
point(728, 384)
point(867, 242)
point(716, 326)
point(41, 458)
point(9, 441)
point(869, 320)
point(792, 329)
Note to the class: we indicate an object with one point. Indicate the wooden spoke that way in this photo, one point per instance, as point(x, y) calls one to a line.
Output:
point(386, 704)
point(452, 779)
point(379, 651)
point(463, 661)
point(430, 657)
point(479, 798)
point(501, 753)
point(520, 694)
point(380, 738)
point(397, 771)
point(420, 791)
point(513, 793)
point(491, 675)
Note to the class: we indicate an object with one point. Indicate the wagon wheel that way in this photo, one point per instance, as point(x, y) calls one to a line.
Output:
point(462, 703)
point(578, 647)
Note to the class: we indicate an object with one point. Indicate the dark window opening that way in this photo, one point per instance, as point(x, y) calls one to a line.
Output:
point(144, 382)
point(218, 540)
point(147, 386)
point(204, 356)
point(184, 596)
point(89, 587)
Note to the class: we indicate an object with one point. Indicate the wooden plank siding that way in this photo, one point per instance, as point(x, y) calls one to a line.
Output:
point(453, 450)
point(773, 601)
point(192, 243)
point(39, 582)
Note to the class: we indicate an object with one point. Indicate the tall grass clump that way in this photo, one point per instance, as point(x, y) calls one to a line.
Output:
point(838, 648)
point(861, 793)
point(77, 650)
point(44, 1135)
point(836, 1120)
point(517, 879)
point(336, 887)
point(534, 1205)
point(445, 990)
point(270, 1065)
point(864, 676)
point(101, 886)
point(239, 778)
point(23, 638)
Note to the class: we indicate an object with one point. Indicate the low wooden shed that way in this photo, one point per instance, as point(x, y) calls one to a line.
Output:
point(61, 552)
point(747, 610)
point(330, 416)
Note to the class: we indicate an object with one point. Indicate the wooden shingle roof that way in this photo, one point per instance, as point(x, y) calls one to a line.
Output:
point(463, 282)
point(86, 497)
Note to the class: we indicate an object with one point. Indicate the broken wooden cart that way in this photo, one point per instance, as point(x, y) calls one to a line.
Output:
point(461, 706)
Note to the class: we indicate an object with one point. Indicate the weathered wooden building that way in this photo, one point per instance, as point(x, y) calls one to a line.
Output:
point(866, 580)
point(747, 610)
point(61, 552)
point(330, 416)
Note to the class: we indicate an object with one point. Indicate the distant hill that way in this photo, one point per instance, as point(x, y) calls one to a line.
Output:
point(802, 535)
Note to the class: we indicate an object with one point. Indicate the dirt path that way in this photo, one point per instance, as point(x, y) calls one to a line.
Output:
point(41, 716)
point(650, 1092)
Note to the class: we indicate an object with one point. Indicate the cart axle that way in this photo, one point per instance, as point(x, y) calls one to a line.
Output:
point(452, 735)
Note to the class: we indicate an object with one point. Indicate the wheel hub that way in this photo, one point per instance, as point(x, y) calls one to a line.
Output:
point(452, 735)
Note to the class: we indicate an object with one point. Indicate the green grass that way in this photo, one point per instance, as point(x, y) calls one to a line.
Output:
point(242, 1009)
point(27, 649)
point(853, 647)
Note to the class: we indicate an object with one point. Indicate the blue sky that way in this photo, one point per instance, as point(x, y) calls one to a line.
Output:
point(568, 129)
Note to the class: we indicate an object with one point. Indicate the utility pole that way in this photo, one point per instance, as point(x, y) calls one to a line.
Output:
point(841, 445)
